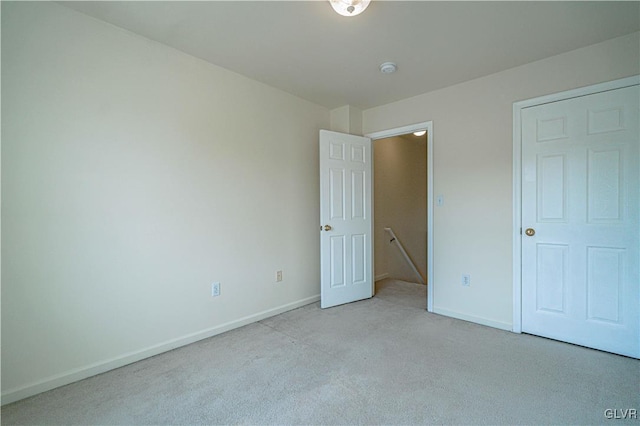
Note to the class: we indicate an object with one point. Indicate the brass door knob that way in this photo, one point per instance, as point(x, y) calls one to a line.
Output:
point(530, 232)
point(328, 228)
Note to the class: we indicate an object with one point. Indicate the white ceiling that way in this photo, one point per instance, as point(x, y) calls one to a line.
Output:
point(306, 49)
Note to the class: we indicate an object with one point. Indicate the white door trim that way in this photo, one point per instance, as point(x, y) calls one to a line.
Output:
point(428, 125)
point(517, 169)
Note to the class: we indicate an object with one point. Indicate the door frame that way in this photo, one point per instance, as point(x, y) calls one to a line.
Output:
point(517, 175)
point(428, 126)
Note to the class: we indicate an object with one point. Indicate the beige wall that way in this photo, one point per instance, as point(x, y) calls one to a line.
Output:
point(472, 131)
point(400, 202)
point(346, 119)
point(133, 176)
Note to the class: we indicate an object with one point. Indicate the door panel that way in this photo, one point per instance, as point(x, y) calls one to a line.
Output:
point(551, 278)
point(552, 188)
point(581, 194)
point(345, 206)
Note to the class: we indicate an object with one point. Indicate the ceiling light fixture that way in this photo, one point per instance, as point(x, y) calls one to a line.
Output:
point(349, 7)
point(388, 68)
point(420, 133)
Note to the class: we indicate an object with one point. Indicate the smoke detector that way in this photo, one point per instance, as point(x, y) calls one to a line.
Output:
point(388, 68)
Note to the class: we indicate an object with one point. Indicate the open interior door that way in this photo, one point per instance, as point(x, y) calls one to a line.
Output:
point(346, 267)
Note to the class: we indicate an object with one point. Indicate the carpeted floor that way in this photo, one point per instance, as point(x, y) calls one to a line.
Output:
point(380, 361)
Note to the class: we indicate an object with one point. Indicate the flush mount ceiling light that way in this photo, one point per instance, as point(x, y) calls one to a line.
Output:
point(420, 133)
point(349, 7)
point(388, 68)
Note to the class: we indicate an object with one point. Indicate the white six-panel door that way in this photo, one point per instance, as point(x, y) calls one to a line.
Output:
point(345, 215)
point(580, 195)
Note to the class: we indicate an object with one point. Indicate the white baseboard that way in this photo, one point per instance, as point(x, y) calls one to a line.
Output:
point(382, 277)
point(77, 374)
point(471, 318)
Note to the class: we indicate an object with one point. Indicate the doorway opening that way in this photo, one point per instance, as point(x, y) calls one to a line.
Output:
point(403, 205)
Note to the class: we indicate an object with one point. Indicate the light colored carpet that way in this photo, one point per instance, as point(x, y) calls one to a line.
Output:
point(380, 361)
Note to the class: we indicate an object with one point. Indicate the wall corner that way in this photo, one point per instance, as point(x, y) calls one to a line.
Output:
point(346, 119)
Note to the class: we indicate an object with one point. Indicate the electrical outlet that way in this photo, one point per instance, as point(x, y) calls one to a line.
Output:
point(278, 276)
point(466, 280)
point(215, 289)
